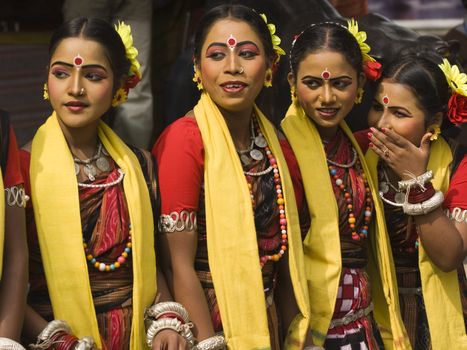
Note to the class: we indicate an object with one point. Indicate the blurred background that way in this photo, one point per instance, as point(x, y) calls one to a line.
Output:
point(26, 26)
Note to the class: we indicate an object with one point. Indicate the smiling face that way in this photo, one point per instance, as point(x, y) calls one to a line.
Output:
point(80, 82)
point(326, 87)
point(233, 65)
point(396, 107)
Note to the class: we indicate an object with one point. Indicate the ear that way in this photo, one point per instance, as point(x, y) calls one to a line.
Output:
point(291, 79)
point(196, 66)
point(361, 80)
point(437, 119)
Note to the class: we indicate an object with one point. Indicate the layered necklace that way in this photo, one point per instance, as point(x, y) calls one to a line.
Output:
point(90, 165)
point(362, 232)
point(257, 154)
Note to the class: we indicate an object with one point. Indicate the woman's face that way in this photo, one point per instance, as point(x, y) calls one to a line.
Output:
point(396, 107)
point(80, 82)
point(326, 87)
point(233, 65)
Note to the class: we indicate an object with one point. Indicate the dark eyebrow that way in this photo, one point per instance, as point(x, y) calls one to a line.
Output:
point(72, 65)
point(241, 43)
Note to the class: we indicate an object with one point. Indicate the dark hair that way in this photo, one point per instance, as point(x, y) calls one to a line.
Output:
point(100, 31)
point(424, 78)
point(330, 36)
point(235, 11)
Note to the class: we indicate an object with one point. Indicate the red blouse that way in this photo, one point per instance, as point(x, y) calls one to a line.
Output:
point(12, 176)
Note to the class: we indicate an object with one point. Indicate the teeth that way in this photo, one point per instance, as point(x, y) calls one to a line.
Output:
point(232, 86)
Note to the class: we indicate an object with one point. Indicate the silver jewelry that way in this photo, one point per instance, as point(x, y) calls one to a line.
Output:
point(241, 71)
point(90, 171)
point(43, 339)
point(178, 221)
point(419, 181)
point(213, 343)
point(81, 92)
point(108, 184)
point(103, 164)
point(259, 173)
point(381, 195)
point(458, 214)
point(158, 309)
point(252, 137)
point(351, 317)
point(349, 165)
point(16, 196)
point(85, 343)
point(384, 186)
point(424, 207)
point(10, 344)
point(256, 154)
point(260, 141)
point(88, 168)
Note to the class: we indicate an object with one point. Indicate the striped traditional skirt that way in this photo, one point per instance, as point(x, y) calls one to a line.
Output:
point(352, 325)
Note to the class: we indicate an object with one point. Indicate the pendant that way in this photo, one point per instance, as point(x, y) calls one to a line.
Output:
point(245, 159)
point(256, 154)
point(260, 141)
point(399, 197)
point(105, 151)
point(103, 164)
point(76, 169)
point(90, 171)
point(384, 187)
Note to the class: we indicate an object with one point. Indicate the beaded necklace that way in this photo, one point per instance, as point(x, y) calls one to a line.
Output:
point(280, 198)
point(357, 234)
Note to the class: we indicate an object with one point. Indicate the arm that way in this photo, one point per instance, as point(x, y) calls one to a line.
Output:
point(443, 241)
point(13, 285)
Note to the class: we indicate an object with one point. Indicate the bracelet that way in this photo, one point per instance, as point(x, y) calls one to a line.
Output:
point(157, 310)
point(10, 344)
point(416, 180)
point(67, 342)
point(50, 335)
point(170, 323)
point(424, 207)
point(85, 343)
point(416, 195)
point(213, 343)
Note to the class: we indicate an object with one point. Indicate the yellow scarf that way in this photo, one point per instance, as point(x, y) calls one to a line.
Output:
point(231, 236)
point(440, 289)
point(323, 261)
point(57, 213)
point(2, 222)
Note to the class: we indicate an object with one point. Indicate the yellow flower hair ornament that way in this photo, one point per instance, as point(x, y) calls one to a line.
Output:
point(134, 73)
point(457, 105)
point(371, 67)
point(276, 41)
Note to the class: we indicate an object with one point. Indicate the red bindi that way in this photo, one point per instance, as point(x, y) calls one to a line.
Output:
point(385, 100)
point(325, 74)
point(78, 61)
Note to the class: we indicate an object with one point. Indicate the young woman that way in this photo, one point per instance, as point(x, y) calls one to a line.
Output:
point(13, 248)
point(347, 254)
point(413, 166)
point(90, 226)
point(229, 183)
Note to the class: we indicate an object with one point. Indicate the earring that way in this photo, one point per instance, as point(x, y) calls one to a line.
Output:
point(435, 130)
point(120, 97)
point(46, 92)
point(293, 95)
point(268, 78)
point(359, 97)
point(197, 80)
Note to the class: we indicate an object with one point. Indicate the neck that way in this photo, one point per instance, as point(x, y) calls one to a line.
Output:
point(327, 134)
point(81, 141)
point(239, 127)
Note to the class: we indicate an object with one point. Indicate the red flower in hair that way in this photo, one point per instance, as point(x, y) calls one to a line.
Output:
point(457, 109)
point(131, 81)
point(372, 69)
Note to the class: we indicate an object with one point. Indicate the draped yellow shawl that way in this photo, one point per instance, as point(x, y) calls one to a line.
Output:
point(440, 289)
point(2, 222)
point(56, 206)
point(323, 261)
point(231, 236)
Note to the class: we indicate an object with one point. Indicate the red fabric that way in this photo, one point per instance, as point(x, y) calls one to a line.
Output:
point(362, 139)
point(12, 175)
point(179, 152)
point(456, 196)
point(24, 161)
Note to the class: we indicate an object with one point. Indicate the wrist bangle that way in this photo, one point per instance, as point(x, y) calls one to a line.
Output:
point(7, 343)
point(156, 310)
point(213, 343)
point(424, 207)
point(416, 195)
point(416, 180)
point(50, 335)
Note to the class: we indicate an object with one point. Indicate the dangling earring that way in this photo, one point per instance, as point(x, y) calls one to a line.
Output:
point(268, 78)
point(435, 130)
point(293, 95)
point(359, 97)
point(46, 92)
point(120, 97)
point(197, 79)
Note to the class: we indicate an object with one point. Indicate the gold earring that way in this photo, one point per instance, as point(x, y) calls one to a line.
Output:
point(197, 80)
point(268, 78)
point(46, 92)
point(435, 130)
point(293, 95)
point(120, 97)
point(359, 97)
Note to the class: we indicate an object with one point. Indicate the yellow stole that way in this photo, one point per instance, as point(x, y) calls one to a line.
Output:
point(323, 261)
point(57, 213)
point(440, 289)
point(231, 236)
point(2, 222)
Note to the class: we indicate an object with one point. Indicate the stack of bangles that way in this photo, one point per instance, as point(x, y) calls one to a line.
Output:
point(10, 344)
point(421, 197)
point(57, 335)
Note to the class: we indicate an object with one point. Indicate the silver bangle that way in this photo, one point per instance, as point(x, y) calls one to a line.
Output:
point(424, 207)
point(420, 181)
point(213, 343)
point(169, 306)
point(10, 344)
point(53, 327)
point(85, 343)
point(169, 323)
point(16, 196)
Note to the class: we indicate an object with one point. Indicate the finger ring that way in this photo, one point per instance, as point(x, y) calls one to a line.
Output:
point(386, 153)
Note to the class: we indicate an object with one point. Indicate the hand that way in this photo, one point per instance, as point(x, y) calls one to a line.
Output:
point(168, 339)
point(400, 155)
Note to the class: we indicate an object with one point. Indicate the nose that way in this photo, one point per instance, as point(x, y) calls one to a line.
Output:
point(76, 88)
point(385, 119)
point(233, 65)
point(327, 94)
